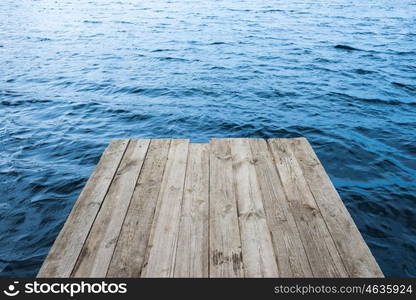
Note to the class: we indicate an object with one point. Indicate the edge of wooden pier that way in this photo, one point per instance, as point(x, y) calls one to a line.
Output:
point(230, 208)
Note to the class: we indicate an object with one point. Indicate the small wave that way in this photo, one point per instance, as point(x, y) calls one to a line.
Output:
point(271, 10)
point(239, 10)
point(152, 92)
point(123, 22)
point(173, 59)
point(38, 39)
point(362, 71)
point(135, 117)
point(218, 68)
point(364, 32)
point(273, 94)
point(405, 86)
point(371, 100)
point(346, 47)
point(23, 102)
point(137, 91)
point(161, 50)
point(405, 53)
point(9, 93)
point(92, 22)
point(323, 60)
point(5, 207)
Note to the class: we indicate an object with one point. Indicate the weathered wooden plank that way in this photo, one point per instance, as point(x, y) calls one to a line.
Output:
point(291, 256)
point(131, 246)
point(354, 252)
point(323, 256)
point(163, 242)
point(258, 254)
point(192, 253)
point(224, 234)
point(98, 249)
point(67, 247)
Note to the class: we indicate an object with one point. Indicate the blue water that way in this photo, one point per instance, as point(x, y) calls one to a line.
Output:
point(76, 74)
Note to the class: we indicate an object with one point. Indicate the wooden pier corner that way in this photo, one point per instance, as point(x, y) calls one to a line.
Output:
point(229, 208)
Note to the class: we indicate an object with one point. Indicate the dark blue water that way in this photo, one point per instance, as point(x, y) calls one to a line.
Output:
point(76, 74)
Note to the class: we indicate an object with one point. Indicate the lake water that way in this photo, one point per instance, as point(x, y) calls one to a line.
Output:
point(76, 74)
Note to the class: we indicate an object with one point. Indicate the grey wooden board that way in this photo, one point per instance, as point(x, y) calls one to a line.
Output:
point(225, 257)
point(98, 249)
point(322, 254)
point(258, 253)
point(354, 252)
point(192, 253)
point(67, 247)
point(290, 254)
point(128, 257)
point(160, 261)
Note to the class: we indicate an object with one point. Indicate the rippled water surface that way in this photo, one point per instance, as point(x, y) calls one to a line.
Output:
point(76, 74)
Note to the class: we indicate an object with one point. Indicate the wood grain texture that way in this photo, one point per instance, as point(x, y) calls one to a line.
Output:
point(98, 249)
point(160, 260)
point(129, 254)
point(230, 208)
point(290, 253)
point(67, 247)
point(354, 252)
point(225, 256)
point(192, 253)
point(257, 247)
point(322, 253)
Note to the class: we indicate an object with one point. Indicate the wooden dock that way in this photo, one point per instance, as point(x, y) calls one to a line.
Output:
point(230, 208)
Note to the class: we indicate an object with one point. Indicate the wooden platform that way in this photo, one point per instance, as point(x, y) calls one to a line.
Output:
point(230, 208)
